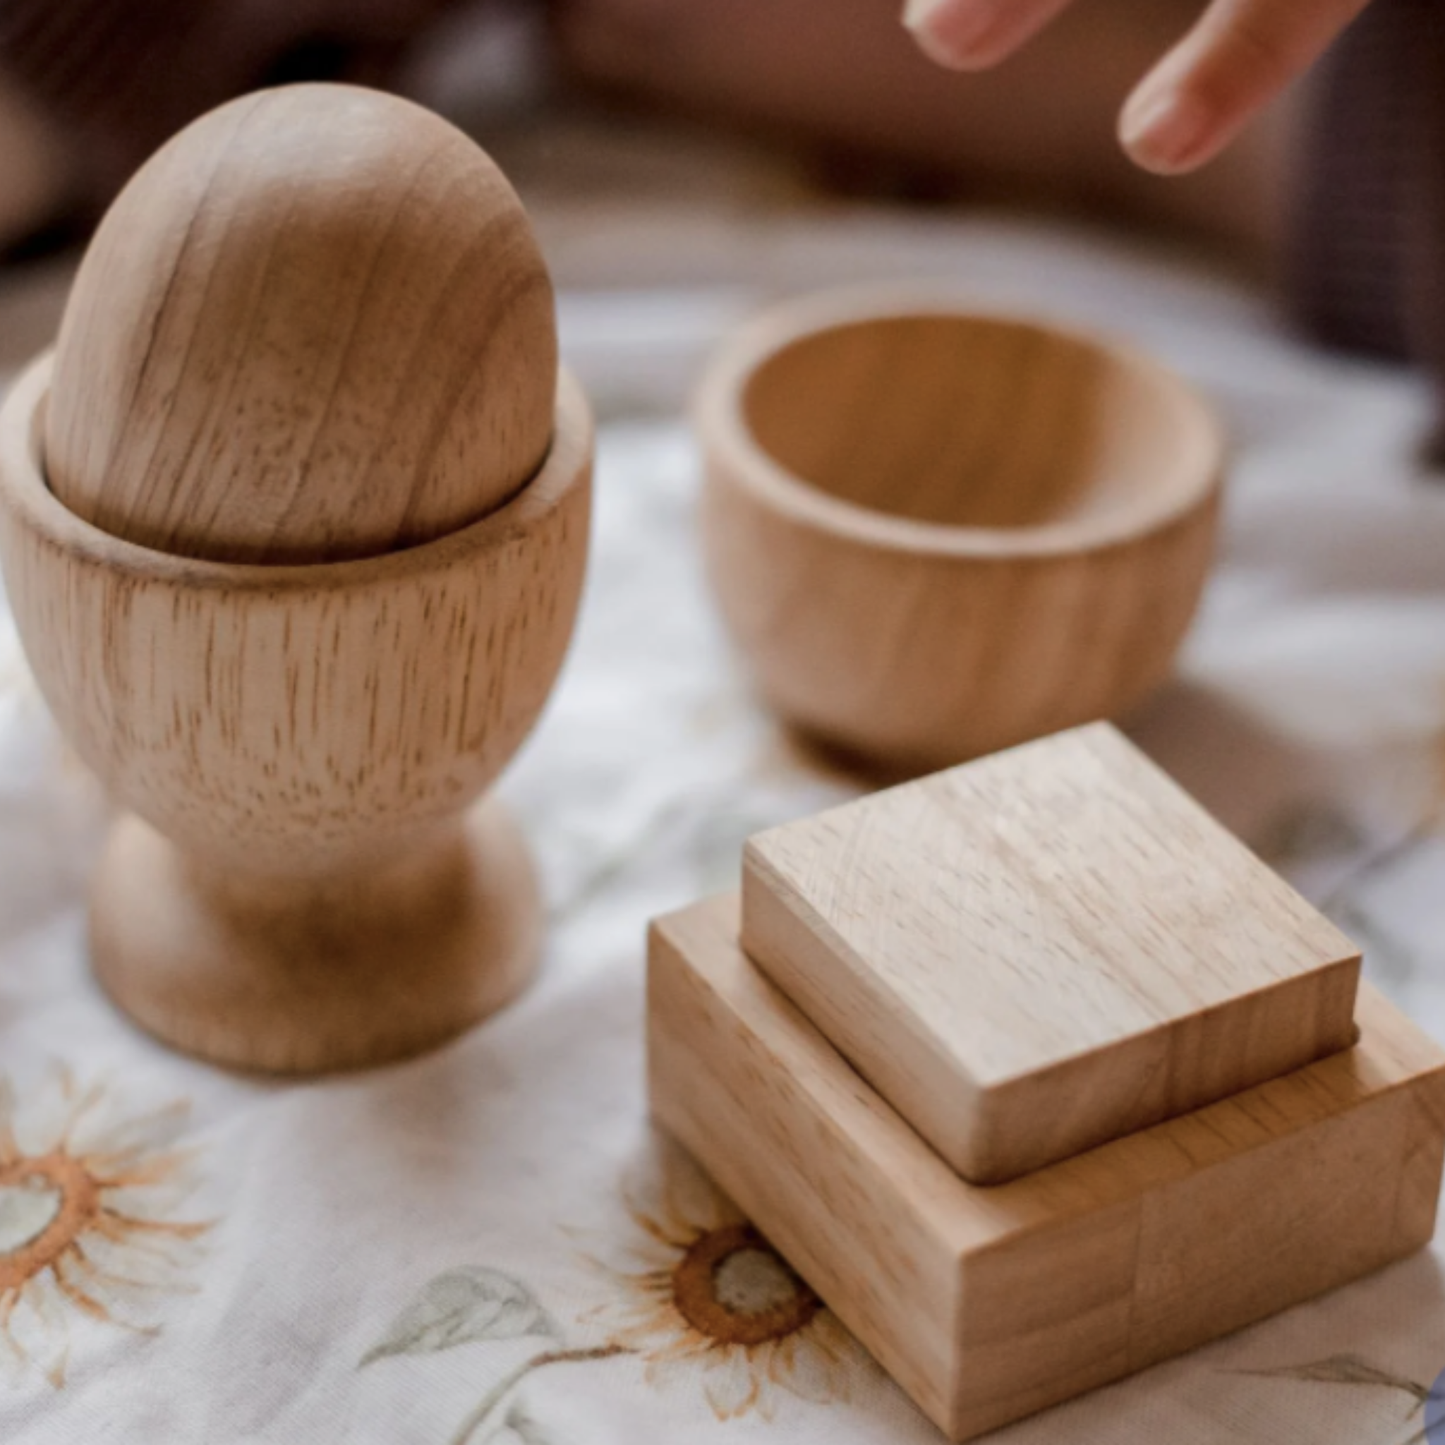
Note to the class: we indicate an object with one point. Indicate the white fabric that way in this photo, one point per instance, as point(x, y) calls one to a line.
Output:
point(504, 1201)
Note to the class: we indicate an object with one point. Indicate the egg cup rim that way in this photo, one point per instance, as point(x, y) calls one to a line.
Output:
point(26, 494)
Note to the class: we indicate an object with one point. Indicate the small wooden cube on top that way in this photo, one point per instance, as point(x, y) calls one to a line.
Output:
point(1044, 950)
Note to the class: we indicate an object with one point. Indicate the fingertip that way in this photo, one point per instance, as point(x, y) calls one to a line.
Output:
point(956, 34)
point(1167, 130)
point(1238, 57)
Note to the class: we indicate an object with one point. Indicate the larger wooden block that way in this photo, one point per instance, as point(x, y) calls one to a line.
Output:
point(1043, 950)
point(989, 1303)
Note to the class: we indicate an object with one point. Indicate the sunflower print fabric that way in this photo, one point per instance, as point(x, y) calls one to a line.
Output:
point(93, 1224)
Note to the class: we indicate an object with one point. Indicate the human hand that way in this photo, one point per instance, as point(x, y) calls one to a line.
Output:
point(1237, 57)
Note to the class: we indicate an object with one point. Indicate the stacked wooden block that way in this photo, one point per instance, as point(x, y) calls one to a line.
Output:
point(1039, 1076)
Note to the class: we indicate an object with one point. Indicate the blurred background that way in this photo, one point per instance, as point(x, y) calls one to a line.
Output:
point(747, 110)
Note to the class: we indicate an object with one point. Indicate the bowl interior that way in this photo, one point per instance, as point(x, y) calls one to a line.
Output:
point(973, 421)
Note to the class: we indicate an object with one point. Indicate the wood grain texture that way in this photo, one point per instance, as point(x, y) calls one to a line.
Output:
point(313, 975)
point(1043, 950)
point(988, 1304)
point(295, 732)
point(935, 533)
point(314, 326)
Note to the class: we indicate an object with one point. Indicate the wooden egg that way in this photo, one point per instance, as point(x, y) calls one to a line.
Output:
point(314, 326)
point(304, 576)
point(935, 533)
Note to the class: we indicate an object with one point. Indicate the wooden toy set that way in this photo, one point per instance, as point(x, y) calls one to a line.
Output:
point(1034, 1073)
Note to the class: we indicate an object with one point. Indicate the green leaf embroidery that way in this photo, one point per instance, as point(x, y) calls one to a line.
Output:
point(1345, 1370)
point(460, 1307)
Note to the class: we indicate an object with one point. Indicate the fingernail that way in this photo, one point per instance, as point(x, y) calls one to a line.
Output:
point(1163, 130)
point(952, 32)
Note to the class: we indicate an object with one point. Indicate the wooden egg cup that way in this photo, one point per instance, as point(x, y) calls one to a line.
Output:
point(301, 883)
point(935, 532)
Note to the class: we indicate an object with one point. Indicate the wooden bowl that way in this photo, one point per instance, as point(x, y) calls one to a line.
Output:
point(935, 532)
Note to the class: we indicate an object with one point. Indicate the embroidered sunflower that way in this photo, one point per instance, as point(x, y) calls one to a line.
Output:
point(87, 1227)
point(702, 1290)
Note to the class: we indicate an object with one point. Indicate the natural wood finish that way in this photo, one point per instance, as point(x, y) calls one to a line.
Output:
point(290, 975)
point(936, 533)
point(306, 740)
point(1043, 950)
point(987, 1304)
point(314, 326)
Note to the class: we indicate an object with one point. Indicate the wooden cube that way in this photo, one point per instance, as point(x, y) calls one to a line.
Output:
point(1043, 950)
point(989, 1303)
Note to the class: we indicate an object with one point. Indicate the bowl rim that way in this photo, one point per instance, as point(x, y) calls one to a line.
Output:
point(26, 496)
point(719, 415)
